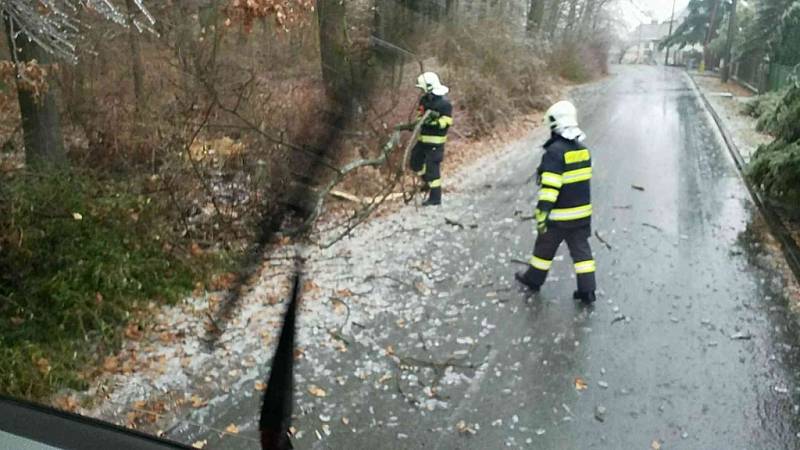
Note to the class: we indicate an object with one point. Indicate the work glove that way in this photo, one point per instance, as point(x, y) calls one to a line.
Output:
point(541, 220)
point(433, 118)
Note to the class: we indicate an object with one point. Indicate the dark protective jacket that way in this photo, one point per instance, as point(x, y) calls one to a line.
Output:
point(565, 177)
point(434, 130)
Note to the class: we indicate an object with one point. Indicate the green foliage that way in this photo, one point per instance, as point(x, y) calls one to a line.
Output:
point(745, 18)
point(763, 108)
point(786, 46)
point(761, 31)
point(776, 167)
point(695, 27)
point(77, 254)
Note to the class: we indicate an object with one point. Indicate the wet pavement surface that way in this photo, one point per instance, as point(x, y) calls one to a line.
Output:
point(689, 346)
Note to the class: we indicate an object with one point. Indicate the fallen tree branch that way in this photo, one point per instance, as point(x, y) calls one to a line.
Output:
point(652, 226)
point(602, 241)
point(360, 216)
point(346, 196)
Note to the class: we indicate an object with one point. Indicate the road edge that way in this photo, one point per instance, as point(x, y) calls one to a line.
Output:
point(789, 248)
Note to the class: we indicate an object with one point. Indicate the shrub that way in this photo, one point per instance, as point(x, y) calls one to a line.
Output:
point(496, 76)
point(763, 108)
point(776, 167)
point(77, 255)
point(580, 61)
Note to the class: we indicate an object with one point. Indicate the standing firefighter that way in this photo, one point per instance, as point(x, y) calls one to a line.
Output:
point(428, 153)
point(564, 210)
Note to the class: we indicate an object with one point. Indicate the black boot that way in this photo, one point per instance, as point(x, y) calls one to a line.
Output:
point(526, 278)
point(586, 297)
point(434, 197)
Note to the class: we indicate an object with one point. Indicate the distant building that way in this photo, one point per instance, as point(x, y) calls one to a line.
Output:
point(646, 38)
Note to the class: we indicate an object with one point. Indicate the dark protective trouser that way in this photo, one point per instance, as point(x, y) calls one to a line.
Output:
point(426, 161)
point(578, 242)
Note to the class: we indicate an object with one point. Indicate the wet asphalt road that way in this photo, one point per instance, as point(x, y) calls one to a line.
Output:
point(657, 353)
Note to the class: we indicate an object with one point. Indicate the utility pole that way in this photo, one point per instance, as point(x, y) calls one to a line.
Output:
point(726, 70)
point(671, 21)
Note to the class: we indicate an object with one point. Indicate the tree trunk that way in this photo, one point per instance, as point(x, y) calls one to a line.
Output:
point(41, 125)
point(553, 17)
point(710, 36)
point(451, 8)
point(535, 16)
point(137, 67)
point(334, 49)
point(587, 13)
point(573, 15)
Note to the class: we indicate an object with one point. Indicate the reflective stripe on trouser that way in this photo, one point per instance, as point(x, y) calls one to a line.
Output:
point(581, 252)
point(433, 172)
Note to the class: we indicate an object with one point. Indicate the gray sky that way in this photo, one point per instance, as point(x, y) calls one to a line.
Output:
point(637, 11)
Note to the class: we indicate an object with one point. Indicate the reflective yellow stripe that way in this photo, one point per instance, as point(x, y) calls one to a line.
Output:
point(585, 267)
point(421, 172)
point(435, 183)
point(576, 156)
point(576, 176)
point(432, 139)
point(566, 214)
point(551, 179)
point(548, 195)
point(445, 121)
point(541, 264)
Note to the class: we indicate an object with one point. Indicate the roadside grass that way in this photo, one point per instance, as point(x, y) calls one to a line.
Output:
point(79, 255)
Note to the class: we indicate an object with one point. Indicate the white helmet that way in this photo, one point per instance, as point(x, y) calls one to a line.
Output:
point(429, 82)
point(562, 118)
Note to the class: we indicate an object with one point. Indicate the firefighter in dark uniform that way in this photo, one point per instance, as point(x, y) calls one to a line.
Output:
point(564, 208)
point(428, 154)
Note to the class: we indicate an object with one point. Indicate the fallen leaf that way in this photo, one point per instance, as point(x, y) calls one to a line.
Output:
point(195, 249)
point(260, 386)
point(317, 391)
point(299, 353)
point(67, 403)
point(111, 364)
point(198, 402)
point(580, 384)
point(344, 293)
point(462, 427)
point(389, 350)
point(232, 429)
point(166, 337)
point(200, 444)
point(223, 281)
point(386, 377)
point(43, 365)
point(309, 286)
point(133, 331)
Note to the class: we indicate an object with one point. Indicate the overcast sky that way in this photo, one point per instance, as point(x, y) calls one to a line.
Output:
point(660, 9)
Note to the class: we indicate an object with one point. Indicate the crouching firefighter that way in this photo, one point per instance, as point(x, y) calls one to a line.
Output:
point(564, 208)
point(428, 153)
